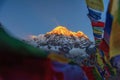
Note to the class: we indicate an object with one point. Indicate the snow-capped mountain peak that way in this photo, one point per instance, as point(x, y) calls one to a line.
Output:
point(61, 40)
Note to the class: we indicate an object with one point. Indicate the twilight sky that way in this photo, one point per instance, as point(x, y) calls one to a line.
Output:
point(34, 17)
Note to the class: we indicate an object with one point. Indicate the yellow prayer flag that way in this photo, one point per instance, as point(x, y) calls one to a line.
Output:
point(115, 31)
point(95, 4)
point(58, 58)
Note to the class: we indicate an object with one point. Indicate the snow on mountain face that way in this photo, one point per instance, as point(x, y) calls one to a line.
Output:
point(63, 41)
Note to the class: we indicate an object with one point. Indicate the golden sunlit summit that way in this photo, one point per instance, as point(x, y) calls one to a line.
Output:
point(61, 30)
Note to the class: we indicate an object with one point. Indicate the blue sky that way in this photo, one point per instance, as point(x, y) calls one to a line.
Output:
point(34, 17)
